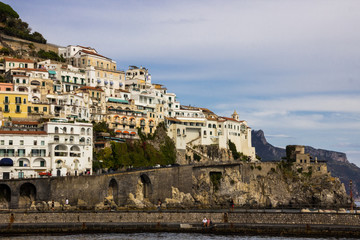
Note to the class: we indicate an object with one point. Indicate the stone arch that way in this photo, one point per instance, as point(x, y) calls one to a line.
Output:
point(147, 187)
point(113, 190)
point(27, 195)
point(5, 196)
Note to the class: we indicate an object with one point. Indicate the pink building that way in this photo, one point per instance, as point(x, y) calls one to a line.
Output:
point(6, 87)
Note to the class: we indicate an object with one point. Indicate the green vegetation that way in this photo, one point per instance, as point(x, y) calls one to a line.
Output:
point(50, 55)
point(290, 153)
point(215, 178)
point(102, 127)
point(136, 153)
point(237, 155)
point(7, 12)
point(196, 157)
point(14, 26)
point(4, 51)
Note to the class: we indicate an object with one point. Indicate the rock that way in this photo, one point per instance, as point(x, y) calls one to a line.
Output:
point(179, 199)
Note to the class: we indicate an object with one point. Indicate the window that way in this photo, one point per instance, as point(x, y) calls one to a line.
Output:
point(2, 142)
point(56, 138)
point(10, 142)
point(24, 81)
point(29, 109)
point(64, 129)
point(21, 175)
point(44, 109)
point(35, 142)
point(21, 163)
point(18, 110)
point(42, 163)
point(6, 108)
point(36, 109)
point(21, 142)
point(56, 129)
point(6, 99)
point(43, 143)
point(21, 152)
point(24, 100)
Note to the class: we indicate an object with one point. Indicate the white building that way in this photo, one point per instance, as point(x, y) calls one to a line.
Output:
point(30, 149)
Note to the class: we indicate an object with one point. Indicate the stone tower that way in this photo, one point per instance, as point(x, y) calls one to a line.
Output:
point(235, 116)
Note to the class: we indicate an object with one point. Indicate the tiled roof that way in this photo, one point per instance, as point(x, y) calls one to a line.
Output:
point(230, 119)
point(24, 132)
point(92, 53)
point(7, 59)
point(172, 119)
point(25, 122)
point(91, 88)
point(31, 69)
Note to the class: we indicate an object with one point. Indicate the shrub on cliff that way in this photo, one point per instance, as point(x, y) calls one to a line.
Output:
point(150, 150)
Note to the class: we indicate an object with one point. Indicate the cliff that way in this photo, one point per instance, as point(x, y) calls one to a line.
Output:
point(337, 162)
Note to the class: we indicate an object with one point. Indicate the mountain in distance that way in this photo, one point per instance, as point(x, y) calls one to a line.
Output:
point(337, 162)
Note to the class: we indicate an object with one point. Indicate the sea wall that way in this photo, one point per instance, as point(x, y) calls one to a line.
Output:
point(224, 222)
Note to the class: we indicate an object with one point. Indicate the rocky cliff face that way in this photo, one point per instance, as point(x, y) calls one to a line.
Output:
point(337, 162)
point(269, 185)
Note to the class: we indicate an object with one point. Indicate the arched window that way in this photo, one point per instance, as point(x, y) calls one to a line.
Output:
point(72, 130)
point(204, 132)
point(209, 125)
point(214, 126)
point(56, 138)
point(64, 129)
point(56, 130)
point(88, 131)
point(82, 131)
point(178, 131)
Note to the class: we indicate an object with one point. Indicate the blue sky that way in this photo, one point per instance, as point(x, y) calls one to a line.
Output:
point(290, 68)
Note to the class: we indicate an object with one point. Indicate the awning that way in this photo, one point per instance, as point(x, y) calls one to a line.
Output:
point(123, 117)
point(116, 116)
point(6, 162)
point(52, 72)
point(151, 120)
point(118, 131)
point(142, 119)
point(125, 132)
point(117, 100)
point(131, 118)
point(133, 133)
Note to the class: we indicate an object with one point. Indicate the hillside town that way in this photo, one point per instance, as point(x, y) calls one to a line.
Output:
point(48, 108)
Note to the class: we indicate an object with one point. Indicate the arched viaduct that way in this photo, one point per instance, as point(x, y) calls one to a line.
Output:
point(153, 183)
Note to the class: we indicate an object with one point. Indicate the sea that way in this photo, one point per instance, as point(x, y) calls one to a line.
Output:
point(152, 236)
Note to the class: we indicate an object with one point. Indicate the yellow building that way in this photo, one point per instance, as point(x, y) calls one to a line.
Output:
point(14, 104)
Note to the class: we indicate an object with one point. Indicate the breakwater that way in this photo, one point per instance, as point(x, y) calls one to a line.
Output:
point(224, 222)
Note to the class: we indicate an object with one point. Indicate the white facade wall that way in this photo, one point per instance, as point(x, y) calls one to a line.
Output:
point(28, 159)
point(71, 146)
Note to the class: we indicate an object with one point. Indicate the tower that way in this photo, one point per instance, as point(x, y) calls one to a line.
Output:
point(235, 116)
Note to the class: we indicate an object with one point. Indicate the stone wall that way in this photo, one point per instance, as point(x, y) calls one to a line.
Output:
point(189, 217)
point(152, 184)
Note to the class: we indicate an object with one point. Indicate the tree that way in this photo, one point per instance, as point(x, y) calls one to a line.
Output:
point(6, 11)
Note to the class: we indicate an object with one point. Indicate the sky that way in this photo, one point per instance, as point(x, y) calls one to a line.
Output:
point(289, 68)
